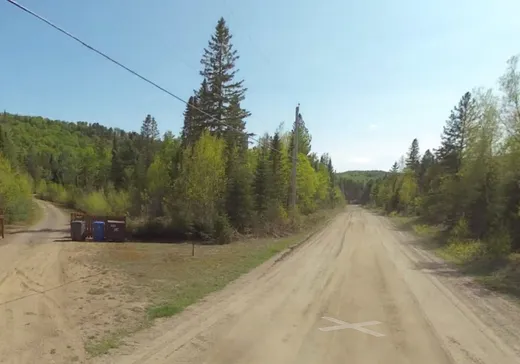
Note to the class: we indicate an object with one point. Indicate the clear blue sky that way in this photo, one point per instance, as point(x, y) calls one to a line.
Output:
point(370, 75)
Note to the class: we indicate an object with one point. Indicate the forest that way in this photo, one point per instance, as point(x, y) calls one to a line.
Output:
point(210, 182)
point(353, 184)
point(470, 184)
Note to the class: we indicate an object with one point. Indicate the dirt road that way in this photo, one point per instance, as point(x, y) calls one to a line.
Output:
point(33, 325)
point(358, 292)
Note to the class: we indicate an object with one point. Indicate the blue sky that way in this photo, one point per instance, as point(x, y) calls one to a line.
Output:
point(370, 75)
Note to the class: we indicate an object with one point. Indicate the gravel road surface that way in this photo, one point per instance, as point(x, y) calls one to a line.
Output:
point(357, 292)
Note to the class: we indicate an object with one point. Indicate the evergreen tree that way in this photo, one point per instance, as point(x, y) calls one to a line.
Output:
point(190, 133)
point(148, 143)
point(413, 158)
point(149, 129)
point(200, 182)
point(279, 171)
point(427, 161)
point(304, 138)
point(262, 179)
point(235, 126)
point(456, 134)
point(239, 199)
point(219, 71)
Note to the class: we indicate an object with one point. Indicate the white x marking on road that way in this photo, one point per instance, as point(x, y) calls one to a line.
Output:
point(345, 325)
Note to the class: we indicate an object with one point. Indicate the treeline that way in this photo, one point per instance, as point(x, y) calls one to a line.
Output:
point(354, 184)
point(209, 182)
point(15, 192)
point(471, 183)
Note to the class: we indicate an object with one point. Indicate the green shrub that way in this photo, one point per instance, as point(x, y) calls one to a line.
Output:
point(462, 252)
point(15, 193)
point(223, 232)
point(94, 203)
point(499, 243)
point(460, 230)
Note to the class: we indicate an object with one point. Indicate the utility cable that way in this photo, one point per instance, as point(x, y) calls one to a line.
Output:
point(104, 55)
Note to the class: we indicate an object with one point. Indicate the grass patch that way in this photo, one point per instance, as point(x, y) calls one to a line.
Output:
point(501, 274)
point(418, 226)
point(212, 269)
point(96, 348)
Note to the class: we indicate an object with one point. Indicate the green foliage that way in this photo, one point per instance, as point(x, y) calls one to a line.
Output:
point(356, 186)
point(460, 231)
point(207, 183)
point(470, 185)
point(462, 252)
point(199, 191)
point(15, 192)
point(362, 176)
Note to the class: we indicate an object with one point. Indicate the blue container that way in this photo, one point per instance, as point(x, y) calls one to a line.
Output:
point(98, 230)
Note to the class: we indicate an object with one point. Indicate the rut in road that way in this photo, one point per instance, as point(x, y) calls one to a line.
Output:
point(357, 270)
point(33, 325)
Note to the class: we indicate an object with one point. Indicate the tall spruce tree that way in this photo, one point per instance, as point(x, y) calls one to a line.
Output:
point(263, 176)
point(278, 171)
point(427, 161)
point(304, 138)
point(239, 202)
point(413, 158)
point(149, 140)
point(189, 133)
point(219, 71)
point(455, 134)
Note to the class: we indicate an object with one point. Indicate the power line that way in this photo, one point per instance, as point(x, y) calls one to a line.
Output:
point(48, 22)
point(104, 55)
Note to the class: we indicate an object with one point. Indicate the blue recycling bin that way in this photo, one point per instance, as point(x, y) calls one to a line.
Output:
point(98, 231)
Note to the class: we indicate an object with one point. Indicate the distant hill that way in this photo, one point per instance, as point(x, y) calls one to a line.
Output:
point(361, 176)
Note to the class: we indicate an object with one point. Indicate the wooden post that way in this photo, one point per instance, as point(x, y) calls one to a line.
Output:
point(2, 223)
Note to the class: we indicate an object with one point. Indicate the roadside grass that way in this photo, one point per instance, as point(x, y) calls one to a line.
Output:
point(499, 274)
point(503, 276)
point(103, 346)
point(170, 279)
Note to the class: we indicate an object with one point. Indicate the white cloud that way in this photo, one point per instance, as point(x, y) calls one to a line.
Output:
point(360, 160)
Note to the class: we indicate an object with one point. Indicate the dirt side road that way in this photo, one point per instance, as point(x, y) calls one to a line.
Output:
point(33, 325)
point(381, 293)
